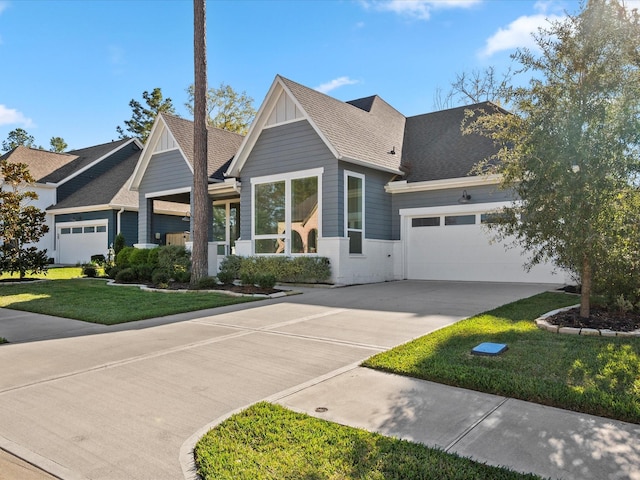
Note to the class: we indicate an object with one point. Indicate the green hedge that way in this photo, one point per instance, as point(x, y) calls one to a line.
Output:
point(174, 263)
point(284, 269)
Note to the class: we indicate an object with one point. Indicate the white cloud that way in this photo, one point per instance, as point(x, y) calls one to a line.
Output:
point(335, 83)
point(11, 116)
point(420, 9)
point(519, 33)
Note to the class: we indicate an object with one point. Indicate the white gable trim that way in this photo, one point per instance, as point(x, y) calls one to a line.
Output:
point(277, 89)
point(403, 186)
point(164, 193)
point(156, 135)
point(95, 162)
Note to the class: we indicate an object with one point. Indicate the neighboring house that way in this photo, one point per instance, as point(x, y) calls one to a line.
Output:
point(85, 196)
point(383, 196)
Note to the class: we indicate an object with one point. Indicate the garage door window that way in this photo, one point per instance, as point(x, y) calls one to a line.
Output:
point(65, 231)
point(89, 229)
point(101, 228)
point(76, 230)
point(460, 220)
point(425, 222)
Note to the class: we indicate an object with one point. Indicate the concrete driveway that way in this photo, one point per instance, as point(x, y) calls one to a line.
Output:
point(95, 402)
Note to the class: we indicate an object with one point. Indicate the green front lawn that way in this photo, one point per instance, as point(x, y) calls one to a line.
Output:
point(58, 273)
point(95, 301)
point(596, 375)
point(269, 442)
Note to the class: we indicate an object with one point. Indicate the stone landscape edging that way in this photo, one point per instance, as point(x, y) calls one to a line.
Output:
point(542, 324)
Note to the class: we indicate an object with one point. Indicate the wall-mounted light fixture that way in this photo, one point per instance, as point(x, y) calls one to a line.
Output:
point(465, 197)
point(186, 217)
point(157, 235)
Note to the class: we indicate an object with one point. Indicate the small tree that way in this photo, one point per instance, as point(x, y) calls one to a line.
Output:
point(142, 117)
point(572, 151)
point(16, 138)
point(226, 108)
point(20, 223)
point(58, 144)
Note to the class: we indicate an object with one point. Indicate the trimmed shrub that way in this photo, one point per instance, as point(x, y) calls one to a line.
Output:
point(226, 277)
point(98, 259)
point(119, 243)
point(231, 264)
point(112, 271)
point(122, 257)
point(285, 269)
point(207, 283)
point(160, 277)
point(176, 260)
point(143, 271)
point(139, 256)
point(247, 278)
point(90, 270)
point(126, 275)
point(266, 280)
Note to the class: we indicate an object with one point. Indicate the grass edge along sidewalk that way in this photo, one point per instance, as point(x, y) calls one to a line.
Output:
point(593, 375)
point(268, 441)
point(96, 302)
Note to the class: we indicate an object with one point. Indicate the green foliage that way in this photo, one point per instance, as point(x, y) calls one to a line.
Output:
point(20, 223)
point(207, 283)
point(571, 153)
point(139, 256)
point(119, 243)
point(302, 269)
point(226, 277)
point(226, 108)
point(595, 375)
point(143, 271)
point(123, 257)
point(90, 270)
point(176, 261)
point(160, 277)
point(98, 259)
point(126, 275)
point(142, 117)
point(58, 144)
point(230, 265)
point(265, 280)
point(267, 441)
point(247, 278)
point(16, 138)
point(112, 271)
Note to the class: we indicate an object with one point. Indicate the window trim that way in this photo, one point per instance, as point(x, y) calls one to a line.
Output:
point(287, 177)
point(361, 176)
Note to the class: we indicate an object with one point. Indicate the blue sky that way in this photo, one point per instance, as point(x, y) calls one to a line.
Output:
point(71, 67)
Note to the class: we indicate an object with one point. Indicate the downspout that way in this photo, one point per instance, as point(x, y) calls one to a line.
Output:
point(118, 220)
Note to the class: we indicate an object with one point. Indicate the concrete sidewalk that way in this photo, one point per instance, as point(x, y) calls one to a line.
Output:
point(500, 431)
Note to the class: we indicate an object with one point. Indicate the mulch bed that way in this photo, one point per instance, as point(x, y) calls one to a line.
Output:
point(244, 289)
point(600, 318)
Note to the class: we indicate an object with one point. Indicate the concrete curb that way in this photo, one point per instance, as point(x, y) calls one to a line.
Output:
point(187, 461)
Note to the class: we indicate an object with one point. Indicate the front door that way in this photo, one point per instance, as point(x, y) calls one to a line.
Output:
point(226, 227)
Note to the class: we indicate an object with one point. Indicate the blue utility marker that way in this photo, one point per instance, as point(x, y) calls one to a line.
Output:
point(490, 349)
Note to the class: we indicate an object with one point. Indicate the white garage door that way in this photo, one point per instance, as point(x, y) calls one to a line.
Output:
point(455, 246)
point(77, 243)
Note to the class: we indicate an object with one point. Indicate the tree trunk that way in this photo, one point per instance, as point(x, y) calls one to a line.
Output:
point(585, 295)
point(200, 197)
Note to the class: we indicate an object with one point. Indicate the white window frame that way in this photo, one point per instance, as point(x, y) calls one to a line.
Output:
point(347, 174)
point(286, 178)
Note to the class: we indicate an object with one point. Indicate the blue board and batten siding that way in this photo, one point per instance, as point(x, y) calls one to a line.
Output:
point(441, 198)
point(166, 171)
point(290, 148)
point(377, 209)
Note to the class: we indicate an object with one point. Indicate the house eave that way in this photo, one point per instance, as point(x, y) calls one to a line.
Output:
point(374, 166)
point(402, 186)
point(230, 185)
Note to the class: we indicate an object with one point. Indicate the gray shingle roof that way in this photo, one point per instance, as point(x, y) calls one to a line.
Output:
point(50, 167)
point(365, 130)
point(110, 188)
point(222, 145)
point(435, 149)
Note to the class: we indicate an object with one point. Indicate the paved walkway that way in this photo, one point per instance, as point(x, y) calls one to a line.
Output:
point(85, 401)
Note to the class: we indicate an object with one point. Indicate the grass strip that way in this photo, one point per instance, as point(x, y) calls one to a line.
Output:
point(270, 442)
point(95, 301)
point(595, 375)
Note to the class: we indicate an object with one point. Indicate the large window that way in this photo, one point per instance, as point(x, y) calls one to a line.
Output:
point(354, 210)
point(286, 214)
